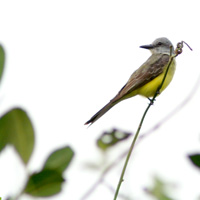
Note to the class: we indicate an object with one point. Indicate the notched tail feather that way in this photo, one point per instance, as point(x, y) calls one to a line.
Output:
point(100, 113)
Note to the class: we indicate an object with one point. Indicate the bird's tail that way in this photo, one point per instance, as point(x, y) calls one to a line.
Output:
point(101, 112)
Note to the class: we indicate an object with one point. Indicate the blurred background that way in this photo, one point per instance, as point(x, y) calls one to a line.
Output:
point(66, 59)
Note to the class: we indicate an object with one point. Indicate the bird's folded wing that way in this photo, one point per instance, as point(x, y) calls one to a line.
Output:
point(152, 68)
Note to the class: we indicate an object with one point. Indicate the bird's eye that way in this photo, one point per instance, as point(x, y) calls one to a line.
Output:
point(159, 43)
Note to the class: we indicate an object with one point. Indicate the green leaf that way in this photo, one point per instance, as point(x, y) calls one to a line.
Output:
point(195, 159)
point(59, 159)
point(158, 190)
point(16, 129)
point(2, 61)
point(109, 139)
point(49, 180)
point(45, 183)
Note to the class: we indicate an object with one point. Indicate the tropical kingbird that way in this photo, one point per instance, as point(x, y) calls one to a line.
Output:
point(146, 79)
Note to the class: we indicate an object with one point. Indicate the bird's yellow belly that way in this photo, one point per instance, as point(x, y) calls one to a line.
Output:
point(149, 89)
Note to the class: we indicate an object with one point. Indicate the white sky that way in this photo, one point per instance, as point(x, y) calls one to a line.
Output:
point(66, 59)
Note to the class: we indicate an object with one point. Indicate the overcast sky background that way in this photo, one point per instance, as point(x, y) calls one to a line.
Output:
point(66, 59)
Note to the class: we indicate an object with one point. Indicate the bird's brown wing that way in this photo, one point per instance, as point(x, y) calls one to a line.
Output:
point(152, 68)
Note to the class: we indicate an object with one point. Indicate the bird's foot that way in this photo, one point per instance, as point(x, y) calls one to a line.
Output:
point(151, 100)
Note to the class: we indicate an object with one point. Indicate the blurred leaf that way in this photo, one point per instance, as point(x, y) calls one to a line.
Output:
point(195, 159)
point(59, 159)
point(45, 183)
point(16, 129)
point(49, 180)
point(109, 139)
point(2, 61)
point(158, 190)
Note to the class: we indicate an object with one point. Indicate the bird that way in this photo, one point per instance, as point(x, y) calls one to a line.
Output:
point(147, 78)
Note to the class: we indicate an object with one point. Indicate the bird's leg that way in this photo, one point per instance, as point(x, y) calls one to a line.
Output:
point(151, 100)
point(154, 98)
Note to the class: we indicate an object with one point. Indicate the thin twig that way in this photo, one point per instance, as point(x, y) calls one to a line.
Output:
point(141, 122)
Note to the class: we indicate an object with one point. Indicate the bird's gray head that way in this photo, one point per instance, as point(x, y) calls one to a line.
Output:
point(160, 45)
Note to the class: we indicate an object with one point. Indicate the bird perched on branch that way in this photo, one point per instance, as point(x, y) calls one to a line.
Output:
point(147, 78)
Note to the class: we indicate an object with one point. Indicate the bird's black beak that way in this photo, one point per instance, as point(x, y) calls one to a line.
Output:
point(149, 46)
